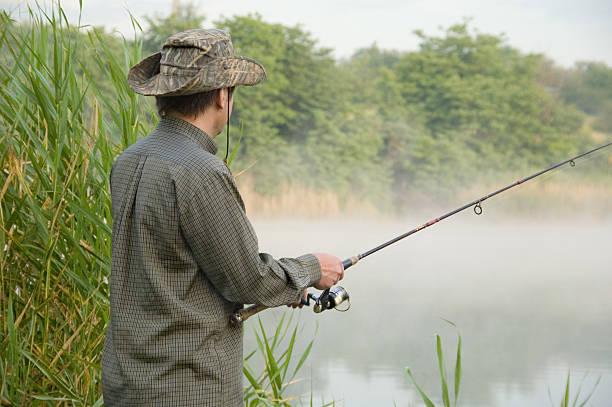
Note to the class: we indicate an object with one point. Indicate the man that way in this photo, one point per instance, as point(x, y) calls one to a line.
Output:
point(184, 254)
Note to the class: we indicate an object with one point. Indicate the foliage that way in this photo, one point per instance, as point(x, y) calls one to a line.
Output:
point(387, 125)
point(57, 148)
point(297, 129)
point(383, 125)
point(465, 101)
point(477, 88)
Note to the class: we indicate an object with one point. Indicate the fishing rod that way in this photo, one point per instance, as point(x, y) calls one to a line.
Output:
point(332, 297)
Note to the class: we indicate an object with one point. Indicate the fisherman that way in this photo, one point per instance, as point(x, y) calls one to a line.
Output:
point(184, 254)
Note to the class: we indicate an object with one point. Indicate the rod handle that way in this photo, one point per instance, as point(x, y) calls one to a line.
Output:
point(245, 313)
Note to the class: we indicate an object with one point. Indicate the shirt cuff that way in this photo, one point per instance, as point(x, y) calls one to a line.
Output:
point(312, 267)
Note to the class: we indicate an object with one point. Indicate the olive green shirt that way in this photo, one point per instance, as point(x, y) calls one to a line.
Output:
point(184, 257)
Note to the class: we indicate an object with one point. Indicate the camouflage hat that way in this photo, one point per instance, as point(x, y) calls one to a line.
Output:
point(191, 62)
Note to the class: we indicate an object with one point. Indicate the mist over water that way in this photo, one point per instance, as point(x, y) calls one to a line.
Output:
point(531, 300)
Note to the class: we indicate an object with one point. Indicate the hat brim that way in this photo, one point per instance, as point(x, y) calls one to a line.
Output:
point(145, 77)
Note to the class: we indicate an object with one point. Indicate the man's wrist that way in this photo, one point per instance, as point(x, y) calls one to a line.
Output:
point(312, 267)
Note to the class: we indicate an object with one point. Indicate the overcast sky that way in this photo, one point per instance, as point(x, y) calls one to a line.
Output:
point(565, 30)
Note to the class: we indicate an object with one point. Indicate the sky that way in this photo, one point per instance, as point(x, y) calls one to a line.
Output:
point(565, 30)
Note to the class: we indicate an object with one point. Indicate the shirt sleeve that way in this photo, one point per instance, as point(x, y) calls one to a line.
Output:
point(225, 247)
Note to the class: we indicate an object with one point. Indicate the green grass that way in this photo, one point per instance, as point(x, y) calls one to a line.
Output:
point(59, 137)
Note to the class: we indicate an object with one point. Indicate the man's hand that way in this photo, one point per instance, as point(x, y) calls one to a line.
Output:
point(299, 303)
point(332, 270)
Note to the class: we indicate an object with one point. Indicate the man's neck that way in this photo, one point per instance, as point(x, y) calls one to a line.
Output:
point(202, 121)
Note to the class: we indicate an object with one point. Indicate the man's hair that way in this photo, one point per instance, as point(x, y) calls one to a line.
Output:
point(187, 105)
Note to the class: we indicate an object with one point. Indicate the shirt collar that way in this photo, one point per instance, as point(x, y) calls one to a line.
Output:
point(179, 127)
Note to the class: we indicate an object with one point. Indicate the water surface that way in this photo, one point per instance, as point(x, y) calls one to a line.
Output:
point(532, 301)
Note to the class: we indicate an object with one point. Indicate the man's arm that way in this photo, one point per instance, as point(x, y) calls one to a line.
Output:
point(225, 246)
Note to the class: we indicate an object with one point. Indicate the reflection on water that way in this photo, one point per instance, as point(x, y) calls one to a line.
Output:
point(532, 302)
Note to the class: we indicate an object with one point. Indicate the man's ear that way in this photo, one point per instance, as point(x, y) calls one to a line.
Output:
point(220, 99)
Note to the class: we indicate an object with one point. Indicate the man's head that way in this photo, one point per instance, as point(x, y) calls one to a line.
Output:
point(196, 71)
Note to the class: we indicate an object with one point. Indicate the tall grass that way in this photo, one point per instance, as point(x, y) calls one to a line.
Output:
point(563, 194)
point(59, 137)
point(280, 369)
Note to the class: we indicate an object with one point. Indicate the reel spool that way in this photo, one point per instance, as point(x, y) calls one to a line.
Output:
point(330, 299)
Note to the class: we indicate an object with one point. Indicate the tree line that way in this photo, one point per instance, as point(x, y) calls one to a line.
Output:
point(389, 125)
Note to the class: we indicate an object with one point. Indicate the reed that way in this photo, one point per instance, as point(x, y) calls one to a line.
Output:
point(558, 195)
point(59, 137)
point(564, 195)
point(280, 368)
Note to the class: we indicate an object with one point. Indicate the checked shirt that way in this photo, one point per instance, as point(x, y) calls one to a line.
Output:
point(184, 257)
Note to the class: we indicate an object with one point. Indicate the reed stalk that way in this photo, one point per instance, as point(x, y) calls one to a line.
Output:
point(59, 135)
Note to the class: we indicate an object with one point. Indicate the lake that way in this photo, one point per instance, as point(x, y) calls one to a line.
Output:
point(532, 301)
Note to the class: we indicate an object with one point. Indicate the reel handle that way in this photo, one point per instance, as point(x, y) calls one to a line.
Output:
point(306, 301)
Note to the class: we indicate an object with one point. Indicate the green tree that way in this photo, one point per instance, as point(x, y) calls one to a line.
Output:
point(475, 84)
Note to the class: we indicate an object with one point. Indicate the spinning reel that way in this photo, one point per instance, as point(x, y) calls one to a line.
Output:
point(329, 299)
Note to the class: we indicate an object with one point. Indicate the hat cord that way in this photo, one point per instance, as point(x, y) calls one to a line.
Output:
point(227, 138)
